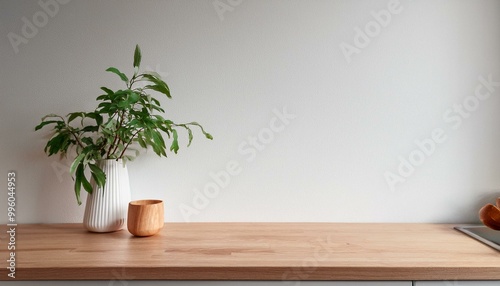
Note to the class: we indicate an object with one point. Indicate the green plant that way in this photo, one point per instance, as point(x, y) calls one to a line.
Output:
point(124, 121)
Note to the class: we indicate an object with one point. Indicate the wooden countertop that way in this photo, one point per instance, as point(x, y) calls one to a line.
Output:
point(253, 251)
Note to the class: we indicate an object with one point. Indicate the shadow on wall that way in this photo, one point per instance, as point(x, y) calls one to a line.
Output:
point(57, 190)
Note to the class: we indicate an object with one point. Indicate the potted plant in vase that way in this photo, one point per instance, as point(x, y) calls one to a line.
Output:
point(103, 140)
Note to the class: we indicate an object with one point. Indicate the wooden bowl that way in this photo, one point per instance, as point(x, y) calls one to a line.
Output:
point(145, 217)
point(490, 215)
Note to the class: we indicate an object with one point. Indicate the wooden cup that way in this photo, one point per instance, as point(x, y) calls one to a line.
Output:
point(145, 217)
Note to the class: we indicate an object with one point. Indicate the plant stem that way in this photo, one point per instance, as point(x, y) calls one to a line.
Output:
point(72, 133)
point(77, 138)
point(131, 82)
point(111, 146)
point(131, 139)
point(118, 127)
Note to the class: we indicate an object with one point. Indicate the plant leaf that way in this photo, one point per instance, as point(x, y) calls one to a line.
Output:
point(50, 115)
point(76, 163)
point(78, 183)
point(87, 140)
point(80, 180)
point(207, 135)
point(141, 141)
point(119, 73)
point(90, 128)
point(159, 88)
point(56, 143)
point(102, 97)
point(158, 84)
point(133, 97)
point(96, 116)
point(190, 134)
point(74, 115)
point(137, 56)
point(39, 126)
point(175, 144)
point(150, 141)
point(86, 185)
point(98, 175)
point(107, 90)
point(158, 138)
point(123, 104)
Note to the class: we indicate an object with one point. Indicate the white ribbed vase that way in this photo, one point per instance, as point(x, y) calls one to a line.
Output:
point(106, 208)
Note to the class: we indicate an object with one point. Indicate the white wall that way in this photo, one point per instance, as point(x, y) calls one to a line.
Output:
point(229, 71)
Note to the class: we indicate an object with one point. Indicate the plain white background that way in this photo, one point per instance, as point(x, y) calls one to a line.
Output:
point(230, 70)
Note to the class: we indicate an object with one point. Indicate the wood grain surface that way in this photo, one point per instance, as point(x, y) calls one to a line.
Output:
point(252, 251)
